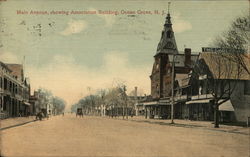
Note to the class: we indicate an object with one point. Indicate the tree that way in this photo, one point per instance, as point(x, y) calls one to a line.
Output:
point(51, 103)
point(44, 97)
point(58, 104)
point(218, 73)
point(235, 41)
point(230, 61)
point(112, 99)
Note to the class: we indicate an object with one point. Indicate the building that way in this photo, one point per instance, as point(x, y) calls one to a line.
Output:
point(190, 78)
point(227, 81)
point(14, 90)
point(169, 64)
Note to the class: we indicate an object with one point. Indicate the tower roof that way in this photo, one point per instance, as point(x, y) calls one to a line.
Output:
point(167, 42)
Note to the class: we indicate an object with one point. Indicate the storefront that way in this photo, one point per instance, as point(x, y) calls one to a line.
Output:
point(161, 110)
point(200, 109)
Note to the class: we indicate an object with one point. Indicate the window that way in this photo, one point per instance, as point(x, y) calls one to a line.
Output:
point(169, 45)
point(157, 66)
point(5, 84)
point(169, 34)
point(247, 87)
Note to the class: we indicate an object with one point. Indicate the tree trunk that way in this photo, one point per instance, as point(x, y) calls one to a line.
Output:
point(123, 112)
point(216, 115)
point(126, 112)
point(117, 112)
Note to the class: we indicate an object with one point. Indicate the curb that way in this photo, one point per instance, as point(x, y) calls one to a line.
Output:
point(16, 125)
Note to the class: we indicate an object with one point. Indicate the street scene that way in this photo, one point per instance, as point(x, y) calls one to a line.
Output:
point(135, 78)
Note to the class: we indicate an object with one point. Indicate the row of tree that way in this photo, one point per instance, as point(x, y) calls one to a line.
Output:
point(46, 100)
point(113, 102)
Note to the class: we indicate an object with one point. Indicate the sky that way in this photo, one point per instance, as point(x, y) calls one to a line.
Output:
point(74, 55)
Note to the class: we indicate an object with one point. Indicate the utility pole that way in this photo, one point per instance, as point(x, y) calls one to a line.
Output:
point(172, 95)
point(126, 102)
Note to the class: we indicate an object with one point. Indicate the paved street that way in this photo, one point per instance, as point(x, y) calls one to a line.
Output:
point(97, 136)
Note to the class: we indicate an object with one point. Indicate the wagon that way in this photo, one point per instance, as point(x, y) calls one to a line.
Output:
point(79, 112)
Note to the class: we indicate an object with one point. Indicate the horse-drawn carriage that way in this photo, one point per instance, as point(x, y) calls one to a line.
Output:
point(42, 114)
point(79, 112)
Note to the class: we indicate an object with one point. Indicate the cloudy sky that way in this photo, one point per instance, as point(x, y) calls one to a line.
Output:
point(69, 53)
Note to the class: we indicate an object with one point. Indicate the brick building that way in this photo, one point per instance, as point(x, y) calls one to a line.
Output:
point(163, 69)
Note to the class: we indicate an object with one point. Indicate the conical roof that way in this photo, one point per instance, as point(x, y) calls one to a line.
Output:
point(167, 42)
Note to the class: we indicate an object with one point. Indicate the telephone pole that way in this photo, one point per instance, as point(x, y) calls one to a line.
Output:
point(172, 93)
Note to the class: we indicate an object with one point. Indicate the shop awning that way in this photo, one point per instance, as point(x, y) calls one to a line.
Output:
point(155, 103)
point(26, 103)
point(226, 106)
point(139, 104)
point(198, 101)
point(150, 103)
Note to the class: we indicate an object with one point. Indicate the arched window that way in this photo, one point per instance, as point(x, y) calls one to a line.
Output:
point(169, 34)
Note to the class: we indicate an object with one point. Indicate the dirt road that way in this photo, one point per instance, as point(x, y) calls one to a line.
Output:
point(97, 136)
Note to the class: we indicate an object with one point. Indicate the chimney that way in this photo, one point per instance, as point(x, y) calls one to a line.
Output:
point(135, 91)
point(187, 52)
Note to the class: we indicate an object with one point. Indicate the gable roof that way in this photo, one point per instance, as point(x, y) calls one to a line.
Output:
point(17, 70)
point(222, 66)
point(5, 66)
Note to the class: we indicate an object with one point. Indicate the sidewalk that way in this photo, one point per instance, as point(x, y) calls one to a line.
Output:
point(191, 124)
point(17, 121)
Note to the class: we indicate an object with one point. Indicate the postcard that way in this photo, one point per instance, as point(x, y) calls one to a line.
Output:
point(120, 78)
